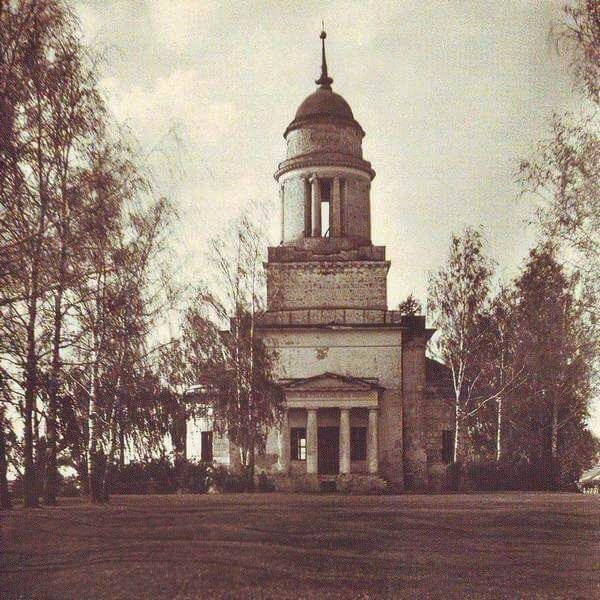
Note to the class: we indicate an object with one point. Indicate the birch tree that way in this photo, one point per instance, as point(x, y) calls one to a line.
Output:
point(225, 351)
point(33, 35)
point(458, 298)
point(116, 300)
point(562, 176)
point(76, 113)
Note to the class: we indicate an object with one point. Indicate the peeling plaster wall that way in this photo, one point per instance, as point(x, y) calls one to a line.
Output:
point(294, 208)
point(414, 415)
point(356, 210)
point(439, 417)
point(359, 284)
point(324, 137)
point(221, 446)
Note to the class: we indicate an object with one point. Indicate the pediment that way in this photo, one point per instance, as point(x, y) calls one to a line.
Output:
point(331, 382)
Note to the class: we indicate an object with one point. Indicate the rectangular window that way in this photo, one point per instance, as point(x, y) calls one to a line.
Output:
point(325, 191)
point(206, 449)
point(358, 443)
point(298, 443)
point(447, 446)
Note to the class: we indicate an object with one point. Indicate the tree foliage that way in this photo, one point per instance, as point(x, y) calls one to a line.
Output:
point(81, 235)
point(459, 296)
point(521, 361)
point(410, 306)
point(564, 171)
point(554, 346)
point(223, 351)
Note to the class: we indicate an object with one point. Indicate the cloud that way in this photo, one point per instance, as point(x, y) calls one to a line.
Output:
point(178, 23)
point(90, 22)
point(181, 99)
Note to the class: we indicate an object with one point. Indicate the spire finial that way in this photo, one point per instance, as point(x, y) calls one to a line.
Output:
point(324, 81)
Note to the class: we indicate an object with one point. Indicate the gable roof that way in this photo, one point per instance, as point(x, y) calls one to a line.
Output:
point(331, 381)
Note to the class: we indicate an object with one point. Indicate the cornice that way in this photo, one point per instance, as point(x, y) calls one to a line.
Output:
point(328, 119)
point(328, 264)
point(324, 159)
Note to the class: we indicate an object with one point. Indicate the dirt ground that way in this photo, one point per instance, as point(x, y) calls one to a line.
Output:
point(513, 545)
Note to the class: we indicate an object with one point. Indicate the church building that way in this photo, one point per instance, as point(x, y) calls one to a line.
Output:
point(364, 407)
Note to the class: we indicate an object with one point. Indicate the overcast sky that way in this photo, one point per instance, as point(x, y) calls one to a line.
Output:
point(451, 96)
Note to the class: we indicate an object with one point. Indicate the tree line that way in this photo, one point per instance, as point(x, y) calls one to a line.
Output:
point(524, 358)
point(522, 362)
point(85, 375)
point(81, 237)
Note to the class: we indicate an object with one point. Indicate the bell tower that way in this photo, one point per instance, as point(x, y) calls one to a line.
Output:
point(347, 365)
point(326, 260)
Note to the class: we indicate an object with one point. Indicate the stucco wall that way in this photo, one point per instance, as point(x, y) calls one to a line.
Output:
point(293, 208)
point(370, 354)
point(324, 137)
point(414, 415)
point(356, 210)
point(221, 446)
point(440, 416)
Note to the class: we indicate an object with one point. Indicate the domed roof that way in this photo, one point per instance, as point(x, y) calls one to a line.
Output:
point(324, 102)
point(323, 105)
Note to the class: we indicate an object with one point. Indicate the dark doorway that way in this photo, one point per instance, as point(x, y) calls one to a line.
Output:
point(329, 450)
point(206, 447)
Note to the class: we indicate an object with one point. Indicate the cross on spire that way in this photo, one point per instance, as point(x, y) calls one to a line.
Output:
point(324, 81)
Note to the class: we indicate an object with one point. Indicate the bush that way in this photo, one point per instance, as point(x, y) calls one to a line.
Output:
point(492, 476)
point(16, 487)
point(152, 477)
point(195, 478)
point(228, 482)
point(69, 486)
point(265, 483)
point(131, 479)
point(161, 476)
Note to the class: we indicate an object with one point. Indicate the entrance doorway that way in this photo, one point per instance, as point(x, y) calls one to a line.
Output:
point(328, 441)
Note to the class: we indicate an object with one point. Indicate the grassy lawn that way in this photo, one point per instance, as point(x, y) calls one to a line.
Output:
point(292, 546)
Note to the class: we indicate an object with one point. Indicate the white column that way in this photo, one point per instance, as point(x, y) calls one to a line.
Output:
point(307, 207)
point(311, 441)
point(372, 442)
point(335, 212)
point(316, 206)
point(344, 441)
point(282, 200)
point(284, 443)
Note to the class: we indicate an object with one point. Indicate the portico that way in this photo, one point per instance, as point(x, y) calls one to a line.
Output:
point(330, 426)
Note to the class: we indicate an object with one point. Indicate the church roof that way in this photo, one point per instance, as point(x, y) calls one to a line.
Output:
point(323, 104)
point(438, 374)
